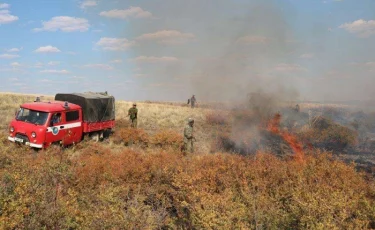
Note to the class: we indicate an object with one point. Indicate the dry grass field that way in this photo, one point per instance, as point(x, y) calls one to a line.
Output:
point(151, 116)
point(150, 184)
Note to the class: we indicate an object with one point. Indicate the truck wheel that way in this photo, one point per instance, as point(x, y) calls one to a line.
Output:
point(107, 133)
point(85, 137)
point(95, 136)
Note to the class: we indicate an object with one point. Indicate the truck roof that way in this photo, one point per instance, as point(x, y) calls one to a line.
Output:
point(90, 95)
point(53, 106)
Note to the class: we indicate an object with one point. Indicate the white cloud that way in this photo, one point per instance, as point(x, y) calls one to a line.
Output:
point(117, 61)
point(283, 67)
point(13, 79)
point(5, 16)
point(97, 31)
point(14, 50)
point(53, 71)
point(252, 40)
point(99, 66)
point(47, 49)
point(15, 64)
point(114, 44)
point(88, 3)
point(132, 12)
point(53, 63)
point(4, 6)
point(151, 59)
point(168, 36)
point(65, 24)
point(9, 56)
point(307, 55)
point(360, 27)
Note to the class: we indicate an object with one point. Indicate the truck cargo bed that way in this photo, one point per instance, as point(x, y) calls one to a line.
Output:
point(96, 108)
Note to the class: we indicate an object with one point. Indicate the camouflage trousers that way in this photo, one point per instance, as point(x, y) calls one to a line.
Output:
point(189, 146)
point(133, 123)
point(192, 105)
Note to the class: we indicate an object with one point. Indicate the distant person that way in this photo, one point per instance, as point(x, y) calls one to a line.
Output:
point(189, 136)
point(133, 113)
point(193, 101)
point(297, 108)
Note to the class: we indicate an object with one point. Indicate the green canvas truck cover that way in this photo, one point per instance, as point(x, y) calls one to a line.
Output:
point(97, 107)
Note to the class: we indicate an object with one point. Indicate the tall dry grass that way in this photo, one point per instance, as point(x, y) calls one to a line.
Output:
point(115, 185)
point(99, 187)
point(151, 117)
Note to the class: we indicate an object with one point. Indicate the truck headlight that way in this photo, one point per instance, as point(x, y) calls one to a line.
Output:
point(33, 134)
point(11, 129)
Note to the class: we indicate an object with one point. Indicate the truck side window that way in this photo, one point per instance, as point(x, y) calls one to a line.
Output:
point(72, 116)
point(56, 118)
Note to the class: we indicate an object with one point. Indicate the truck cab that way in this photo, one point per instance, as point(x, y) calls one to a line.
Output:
point(40, 124)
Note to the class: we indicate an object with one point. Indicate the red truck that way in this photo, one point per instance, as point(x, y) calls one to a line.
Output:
point(64, 121)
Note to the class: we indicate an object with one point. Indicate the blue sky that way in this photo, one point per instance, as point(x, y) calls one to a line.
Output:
point(170, 49)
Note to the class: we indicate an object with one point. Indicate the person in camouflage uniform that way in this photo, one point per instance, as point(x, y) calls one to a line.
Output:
point(189, 136)
point(132, 113)
point(192, 101)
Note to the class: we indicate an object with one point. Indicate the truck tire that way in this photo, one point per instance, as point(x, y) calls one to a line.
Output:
point(107, 133)
point(95, 137)
point(85, 137)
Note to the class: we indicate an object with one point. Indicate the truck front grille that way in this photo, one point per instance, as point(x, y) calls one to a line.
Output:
point(23, 137)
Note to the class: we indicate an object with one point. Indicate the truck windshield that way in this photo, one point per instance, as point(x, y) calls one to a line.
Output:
point(32, 116)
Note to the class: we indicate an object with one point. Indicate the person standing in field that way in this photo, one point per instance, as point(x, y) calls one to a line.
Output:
point(297, 108)
point(133, 113)
point(192, 101)
point(189, 136)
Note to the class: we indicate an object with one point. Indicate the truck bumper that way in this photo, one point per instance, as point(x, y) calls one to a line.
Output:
point(12, 139)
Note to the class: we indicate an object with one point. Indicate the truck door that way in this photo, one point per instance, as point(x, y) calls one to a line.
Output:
point(56, 128)
point(73, 126)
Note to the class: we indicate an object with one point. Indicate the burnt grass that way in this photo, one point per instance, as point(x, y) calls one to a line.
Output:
point(349, 135)
point(362, 125)
point(267, 141)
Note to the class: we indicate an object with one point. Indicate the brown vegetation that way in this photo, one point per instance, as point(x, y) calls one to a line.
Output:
point(132, 190)
point(217, 118)
point(326, 134)
point(130, 136)
point(139, 180)
point(167, 138)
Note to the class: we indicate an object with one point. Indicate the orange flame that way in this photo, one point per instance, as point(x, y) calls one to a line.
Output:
point(274, 127)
